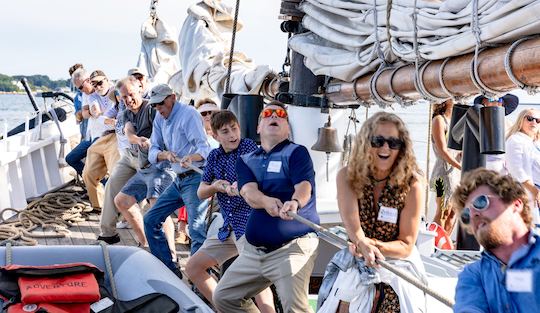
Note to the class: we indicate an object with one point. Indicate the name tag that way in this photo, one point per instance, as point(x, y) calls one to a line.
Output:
point(274, 167)
point(519, 281)
point(387, 214)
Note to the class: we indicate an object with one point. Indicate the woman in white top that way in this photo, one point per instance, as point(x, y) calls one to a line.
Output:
point(522, 156)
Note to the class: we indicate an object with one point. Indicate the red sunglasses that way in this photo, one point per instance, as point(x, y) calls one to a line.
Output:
point(279, 112)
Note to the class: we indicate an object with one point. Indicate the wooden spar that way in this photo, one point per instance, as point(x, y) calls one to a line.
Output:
point(456, 75)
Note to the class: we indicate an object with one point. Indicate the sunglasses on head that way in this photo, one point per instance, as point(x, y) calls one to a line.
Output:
point(480, 203)
point(97, 84)
point(393, 142)
point(532, 118)
point(205, 113)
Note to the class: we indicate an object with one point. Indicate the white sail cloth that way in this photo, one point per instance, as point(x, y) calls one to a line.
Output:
point(158, 51)
point(342, 42)
point(204, 55)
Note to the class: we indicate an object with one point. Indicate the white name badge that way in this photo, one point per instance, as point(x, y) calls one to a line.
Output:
point(387, 214)
point(519, 280)
point(274, 166)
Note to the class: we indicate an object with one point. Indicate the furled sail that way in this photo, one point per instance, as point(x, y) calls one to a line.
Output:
point(204, 55)
point(343, 41)
point(158, 50)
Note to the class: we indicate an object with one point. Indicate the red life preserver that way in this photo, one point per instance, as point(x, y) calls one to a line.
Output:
point(442, 240)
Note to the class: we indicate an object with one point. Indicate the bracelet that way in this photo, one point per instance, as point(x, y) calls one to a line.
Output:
point(297, 201)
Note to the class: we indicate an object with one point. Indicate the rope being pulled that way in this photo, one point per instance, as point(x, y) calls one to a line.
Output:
point(55, 211)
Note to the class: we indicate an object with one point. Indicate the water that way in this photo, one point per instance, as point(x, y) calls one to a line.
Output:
point(15, 108)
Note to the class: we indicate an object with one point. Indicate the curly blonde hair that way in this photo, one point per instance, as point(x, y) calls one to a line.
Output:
point(361, 165)
point(503, 186)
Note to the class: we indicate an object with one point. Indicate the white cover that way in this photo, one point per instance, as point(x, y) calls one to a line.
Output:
point(158, 51)
point(342, 37)
point(204, 55)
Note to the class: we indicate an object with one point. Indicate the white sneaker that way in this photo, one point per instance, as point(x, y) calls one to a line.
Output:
point(122, 225)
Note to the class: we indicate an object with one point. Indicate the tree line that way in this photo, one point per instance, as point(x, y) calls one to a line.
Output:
point(42, 82)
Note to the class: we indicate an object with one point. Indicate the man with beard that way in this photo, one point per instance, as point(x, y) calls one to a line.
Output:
point(507, 277)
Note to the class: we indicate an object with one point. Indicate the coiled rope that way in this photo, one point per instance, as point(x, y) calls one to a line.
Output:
point(56, 211)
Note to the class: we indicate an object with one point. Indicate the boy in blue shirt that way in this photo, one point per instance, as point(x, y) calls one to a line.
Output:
point(219, 179)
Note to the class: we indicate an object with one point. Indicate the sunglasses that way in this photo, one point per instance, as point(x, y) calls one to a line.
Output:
point(82, 84)
point(97, 84)
point(154, 105)
point(532, 118)
point(393, 142)
point(279, 112)
point(138, 76)
point(205, 113)
point(480, 203)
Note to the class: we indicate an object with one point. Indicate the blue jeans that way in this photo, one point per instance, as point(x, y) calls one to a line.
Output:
point(183, 191)
point(75, 156)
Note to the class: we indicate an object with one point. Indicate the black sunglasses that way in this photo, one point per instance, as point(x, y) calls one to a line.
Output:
point(82, 84)
point(532, 118)
point(480, 203)
point(393, 142)
point(153, 105)
point(97, 84)
point(205, 113)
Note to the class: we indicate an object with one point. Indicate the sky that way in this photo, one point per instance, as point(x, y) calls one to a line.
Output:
point(47, 37)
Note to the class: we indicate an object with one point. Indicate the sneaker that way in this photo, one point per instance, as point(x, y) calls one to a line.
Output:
point(110, 240)
point(122, 225)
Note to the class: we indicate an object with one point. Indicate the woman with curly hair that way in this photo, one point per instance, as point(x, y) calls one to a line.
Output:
point(445, 174)
point(380, 195)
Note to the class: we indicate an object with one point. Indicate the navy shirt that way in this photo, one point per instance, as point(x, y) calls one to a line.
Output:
point(221, 165)
point(276, 173)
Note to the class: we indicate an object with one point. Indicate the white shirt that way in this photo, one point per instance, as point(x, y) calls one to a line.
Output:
point(521, 156)
point(96, 124)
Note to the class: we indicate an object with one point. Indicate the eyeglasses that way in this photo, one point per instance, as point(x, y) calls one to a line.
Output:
point(205, 113)
point(532, 118)
point(153, 105)
point(97, 84)
point(82, 84)
point(279, 112)
point(480, 203)
point(393, 142)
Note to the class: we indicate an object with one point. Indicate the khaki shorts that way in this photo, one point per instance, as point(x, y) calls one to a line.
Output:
point(221, 251)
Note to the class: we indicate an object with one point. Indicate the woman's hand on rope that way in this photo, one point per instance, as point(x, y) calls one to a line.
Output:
point(367, 249)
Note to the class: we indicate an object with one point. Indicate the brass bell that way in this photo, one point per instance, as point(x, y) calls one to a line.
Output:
point(328, 139)
point(327, 142)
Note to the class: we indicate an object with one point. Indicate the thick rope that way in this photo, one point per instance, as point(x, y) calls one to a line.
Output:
point(56, 211)
point(531, 90)
point(231, 52)
point(342, 243)
point(108, 268)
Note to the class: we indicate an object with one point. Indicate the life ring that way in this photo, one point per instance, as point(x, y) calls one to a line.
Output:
point(442, 240)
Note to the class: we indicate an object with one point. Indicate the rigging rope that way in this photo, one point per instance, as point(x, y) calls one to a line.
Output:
point(57, 211)
point(231, 52)
point(427, 159)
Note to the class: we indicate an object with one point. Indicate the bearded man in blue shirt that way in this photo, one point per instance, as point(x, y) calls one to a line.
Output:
point(507, 277)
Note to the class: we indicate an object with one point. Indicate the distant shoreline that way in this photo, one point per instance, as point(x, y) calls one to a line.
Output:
point(12, 93)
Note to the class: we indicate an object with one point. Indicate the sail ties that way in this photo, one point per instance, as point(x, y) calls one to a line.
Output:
point(531, 90)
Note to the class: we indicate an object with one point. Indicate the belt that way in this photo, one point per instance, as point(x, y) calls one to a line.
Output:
point(186, 174)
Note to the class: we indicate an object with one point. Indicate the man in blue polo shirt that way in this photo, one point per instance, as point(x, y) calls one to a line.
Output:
point(274, 179)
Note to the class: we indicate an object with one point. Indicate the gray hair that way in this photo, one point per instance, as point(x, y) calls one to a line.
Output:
point(79, 75)
point(131, 80)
